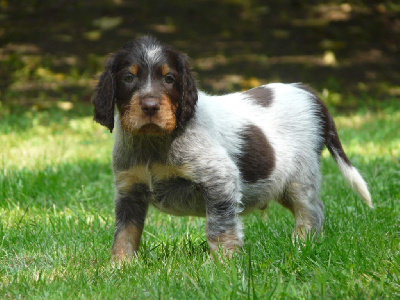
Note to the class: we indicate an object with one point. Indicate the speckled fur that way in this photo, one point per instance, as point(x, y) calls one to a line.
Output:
point(226, 156)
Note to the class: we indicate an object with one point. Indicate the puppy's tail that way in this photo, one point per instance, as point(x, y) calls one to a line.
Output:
point(349, 172)
point(334, 146)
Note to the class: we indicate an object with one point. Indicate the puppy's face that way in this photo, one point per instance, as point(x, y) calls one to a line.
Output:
point(148, 92)
point(151, 86)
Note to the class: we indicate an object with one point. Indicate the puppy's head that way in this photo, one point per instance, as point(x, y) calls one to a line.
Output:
point(151, 86)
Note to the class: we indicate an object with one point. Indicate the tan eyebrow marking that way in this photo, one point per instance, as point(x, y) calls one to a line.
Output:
point(134, 69)
point(164, 69)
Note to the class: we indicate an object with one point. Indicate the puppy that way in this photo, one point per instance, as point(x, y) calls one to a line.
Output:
point(189, 153)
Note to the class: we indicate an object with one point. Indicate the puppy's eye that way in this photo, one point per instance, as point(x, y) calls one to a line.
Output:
point(128, 78)
point(169, 78)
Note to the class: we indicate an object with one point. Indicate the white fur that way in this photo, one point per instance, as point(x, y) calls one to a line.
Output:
point(355, 180)
point(288, 124)
point(291, 126)
point(153, 54)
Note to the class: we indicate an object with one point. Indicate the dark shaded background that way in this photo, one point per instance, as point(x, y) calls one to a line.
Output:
point(52, 50)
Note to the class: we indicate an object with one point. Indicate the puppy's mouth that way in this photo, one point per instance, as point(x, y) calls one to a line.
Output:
point(151, 129)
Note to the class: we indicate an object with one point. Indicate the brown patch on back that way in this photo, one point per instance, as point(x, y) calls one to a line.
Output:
point(164, 69)
point(261, 95)
point(134, 69)
point(258, 157)
point(126, 242)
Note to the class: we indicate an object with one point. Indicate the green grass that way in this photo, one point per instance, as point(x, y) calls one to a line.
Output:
point(56, 222)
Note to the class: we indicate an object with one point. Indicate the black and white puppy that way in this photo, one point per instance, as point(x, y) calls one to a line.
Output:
point(189, 153)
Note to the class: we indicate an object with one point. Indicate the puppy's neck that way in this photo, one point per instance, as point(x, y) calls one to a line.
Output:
point(149, 148)
point(145, 148)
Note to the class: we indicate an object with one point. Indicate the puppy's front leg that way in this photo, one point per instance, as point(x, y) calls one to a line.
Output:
point(223, 227)
point(223, 198)
point(130, 213)
point(210, 166)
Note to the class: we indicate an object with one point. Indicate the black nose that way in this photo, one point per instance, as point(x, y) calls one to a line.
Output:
point(150, 106)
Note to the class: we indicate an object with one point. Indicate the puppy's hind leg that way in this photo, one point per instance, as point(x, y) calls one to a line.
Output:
point(301, 198)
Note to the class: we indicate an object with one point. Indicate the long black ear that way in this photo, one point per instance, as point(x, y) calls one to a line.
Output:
point(189, 96)
point(104, 97)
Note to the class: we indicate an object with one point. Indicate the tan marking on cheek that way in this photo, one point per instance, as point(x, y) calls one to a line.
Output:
point(126, 179)
point(163, 172)
point(165, 69)
point(131, 114)
point(127, 242)
point(134, 69)
point(166, 114)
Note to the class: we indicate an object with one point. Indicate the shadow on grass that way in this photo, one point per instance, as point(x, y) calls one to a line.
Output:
point(54, 49)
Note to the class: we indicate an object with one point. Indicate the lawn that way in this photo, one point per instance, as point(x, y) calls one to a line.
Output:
point(56, 222)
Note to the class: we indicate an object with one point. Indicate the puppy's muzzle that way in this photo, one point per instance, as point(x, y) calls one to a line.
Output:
point(150, 106)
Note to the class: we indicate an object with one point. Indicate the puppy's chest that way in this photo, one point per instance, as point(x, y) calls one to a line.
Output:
point(149, 174)
point(171, 189)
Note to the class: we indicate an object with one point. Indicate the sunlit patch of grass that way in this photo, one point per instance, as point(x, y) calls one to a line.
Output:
point(357, 120)
point(370, 133)
point(40, 139)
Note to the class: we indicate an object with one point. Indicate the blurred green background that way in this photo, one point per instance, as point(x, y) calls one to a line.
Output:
point(52, 50)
